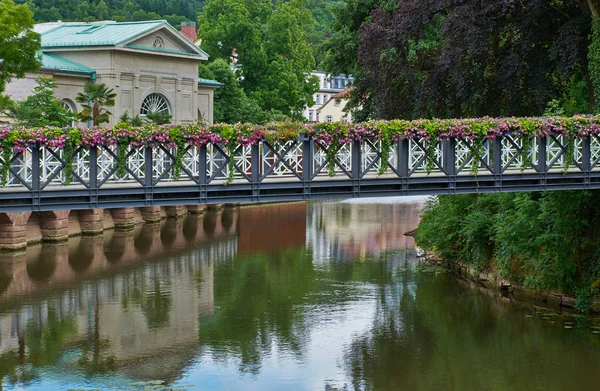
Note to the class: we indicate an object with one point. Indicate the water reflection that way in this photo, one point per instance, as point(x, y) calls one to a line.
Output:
point(305, 297)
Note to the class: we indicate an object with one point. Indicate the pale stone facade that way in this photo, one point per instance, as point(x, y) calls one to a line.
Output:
point(148, 64)
point(334, 110)
point(329, 85)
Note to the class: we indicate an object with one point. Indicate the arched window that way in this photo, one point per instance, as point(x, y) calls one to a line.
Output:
point(70, 106)
point(155, 103)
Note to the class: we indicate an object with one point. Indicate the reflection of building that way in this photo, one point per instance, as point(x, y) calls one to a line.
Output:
point(328, 86)
point(150, 65)
point(355, 229)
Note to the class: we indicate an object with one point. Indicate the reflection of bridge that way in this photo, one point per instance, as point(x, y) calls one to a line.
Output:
point(295, 170)
point(165, 271)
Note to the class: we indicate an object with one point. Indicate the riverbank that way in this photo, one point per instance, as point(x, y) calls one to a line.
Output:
point(490, 281)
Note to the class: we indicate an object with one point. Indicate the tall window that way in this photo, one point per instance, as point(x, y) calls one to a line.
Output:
point(310, 115)
point(155, 103)
point(70, 106)
point(325, 98)
point(318, 99)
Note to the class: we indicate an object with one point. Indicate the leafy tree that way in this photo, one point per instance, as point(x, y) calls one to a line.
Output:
point(274, 56)
point(42, 108)
point(94, 99)
point(18, 42)
point(231, 102)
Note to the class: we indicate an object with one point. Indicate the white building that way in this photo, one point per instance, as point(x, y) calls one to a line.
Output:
point(328, 86)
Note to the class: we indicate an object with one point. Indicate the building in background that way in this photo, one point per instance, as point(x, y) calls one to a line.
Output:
point(333, 109)
point(150, 65)
point(328, 86)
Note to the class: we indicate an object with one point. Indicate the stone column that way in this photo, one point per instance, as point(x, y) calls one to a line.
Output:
point(13, 230)
point(151, 214)
point(91, 221)
point(195, 209)
point(54, 225)
point(123, 217)
point(176, 212)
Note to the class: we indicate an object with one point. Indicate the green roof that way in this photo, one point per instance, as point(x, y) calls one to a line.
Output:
point(208, 82)
point(54, 62)
point(95, 34)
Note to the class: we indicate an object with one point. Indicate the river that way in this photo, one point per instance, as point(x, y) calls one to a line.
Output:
point(318, 296)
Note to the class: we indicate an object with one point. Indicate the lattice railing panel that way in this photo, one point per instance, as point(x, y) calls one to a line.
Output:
point(281, 159)
point(418, 157)
point(343, 166)
point(513, 153)
point(466, 159)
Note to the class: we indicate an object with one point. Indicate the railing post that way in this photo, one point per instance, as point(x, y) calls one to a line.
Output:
point(542, 163)
point(586, 154)
point(93, 168)
point(356, 160)
point(307, 163)
point(148, 174)
point(202, 171)
point(497, 155)
point(403, 157)
point(35, 168)
point(255, 171)
point(449, 150)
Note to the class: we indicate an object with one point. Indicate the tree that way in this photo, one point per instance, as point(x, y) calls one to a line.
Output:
point(274, 57)
point(94, 99)
point(42, 108)
point(18, 42)
point(462, 58)
point(231, 102)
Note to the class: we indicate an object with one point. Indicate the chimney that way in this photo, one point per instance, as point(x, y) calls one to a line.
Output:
point(188, 29)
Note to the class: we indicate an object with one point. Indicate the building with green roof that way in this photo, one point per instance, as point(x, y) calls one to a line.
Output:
point(150, 65)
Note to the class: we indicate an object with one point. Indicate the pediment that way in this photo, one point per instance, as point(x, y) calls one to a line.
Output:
point(164, 40)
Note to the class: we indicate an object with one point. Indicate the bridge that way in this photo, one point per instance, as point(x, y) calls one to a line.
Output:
point(294, 170)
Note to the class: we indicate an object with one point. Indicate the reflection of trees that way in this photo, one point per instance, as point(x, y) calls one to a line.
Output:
point(432, 333)
point(156, 306)
point(94, 360)
point(259, 299)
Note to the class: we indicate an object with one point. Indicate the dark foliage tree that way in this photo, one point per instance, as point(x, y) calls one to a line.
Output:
point(456, 58)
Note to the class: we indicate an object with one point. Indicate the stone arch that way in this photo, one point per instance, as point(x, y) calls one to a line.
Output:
point(41, 269)
point(168, 233)
point(114, 250)
point(190, 228)
point(144, 239)
point(209, 222)
point(81, 257)
point(227, 219)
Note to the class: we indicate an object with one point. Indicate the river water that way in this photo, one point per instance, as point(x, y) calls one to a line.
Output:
point(319, 296)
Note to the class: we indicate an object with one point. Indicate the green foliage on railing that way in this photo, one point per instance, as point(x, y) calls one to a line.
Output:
point(330, 136)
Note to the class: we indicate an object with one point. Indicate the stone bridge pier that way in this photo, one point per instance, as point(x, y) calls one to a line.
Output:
point(17, 229)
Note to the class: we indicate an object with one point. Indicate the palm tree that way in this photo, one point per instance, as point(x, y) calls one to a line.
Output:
point(93, 99)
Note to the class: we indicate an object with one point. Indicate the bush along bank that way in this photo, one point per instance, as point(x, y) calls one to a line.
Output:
point(547, 243)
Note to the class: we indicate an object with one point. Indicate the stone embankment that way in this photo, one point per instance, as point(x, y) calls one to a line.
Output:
point(490, 280)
